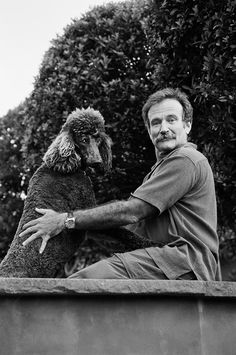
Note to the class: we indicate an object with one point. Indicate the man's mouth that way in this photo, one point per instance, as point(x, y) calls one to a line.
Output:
point(164, 139)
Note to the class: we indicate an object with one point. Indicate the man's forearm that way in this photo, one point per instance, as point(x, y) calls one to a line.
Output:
point(114, 214)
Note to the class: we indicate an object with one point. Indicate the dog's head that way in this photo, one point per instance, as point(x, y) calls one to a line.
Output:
point(81, 143)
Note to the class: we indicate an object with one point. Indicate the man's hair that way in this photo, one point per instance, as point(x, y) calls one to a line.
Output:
point(168, 93)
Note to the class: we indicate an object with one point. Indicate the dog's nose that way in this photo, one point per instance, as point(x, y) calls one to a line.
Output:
point(93, 153)
point(94, 159)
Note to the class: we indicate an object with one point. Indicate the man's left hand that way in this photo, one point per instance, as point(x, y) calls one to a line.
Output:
point(49, 225)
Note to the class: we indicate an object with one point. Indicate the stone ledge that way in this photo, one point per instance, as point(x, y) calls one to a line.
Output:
point(56, 287)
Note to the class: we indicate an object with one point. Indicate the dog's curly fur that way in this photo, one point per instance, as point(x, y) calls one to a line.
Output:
point(61, 183)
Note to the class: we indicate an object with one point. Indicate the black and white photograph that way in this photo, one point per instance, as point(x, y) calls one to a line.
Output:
point(117, 177)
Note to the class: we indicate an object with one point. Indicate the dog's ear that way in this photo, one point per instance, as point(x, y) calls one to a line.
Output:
point(61, 154)
point(105, 151)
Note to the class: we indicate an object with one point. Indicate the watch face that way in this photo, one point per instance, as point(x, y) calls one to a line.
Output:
point(70, 223)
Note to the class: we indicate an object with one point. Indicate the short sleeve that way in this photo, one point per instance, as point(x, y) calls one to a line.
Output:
point(171, 180)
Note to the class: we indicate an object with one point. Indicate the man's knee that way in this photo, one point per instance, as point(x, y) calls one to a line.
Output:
point(94, 271)
point(90, 272)
point(102, 270)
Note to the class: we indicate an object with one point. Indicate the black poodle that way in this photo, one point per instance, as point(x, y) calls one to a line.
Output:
point(61, 183)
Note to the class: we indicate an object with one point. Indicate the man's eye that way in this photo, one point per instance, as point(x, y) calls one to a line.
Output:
point(171, 119)
point(155, 123)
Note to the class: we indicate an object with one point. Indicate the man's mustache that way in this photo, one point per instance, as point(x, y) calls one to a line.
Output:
point(164, 137)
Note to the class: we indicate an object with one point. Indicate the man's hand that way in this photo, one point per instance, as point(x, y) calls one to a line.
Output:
point(49, 225)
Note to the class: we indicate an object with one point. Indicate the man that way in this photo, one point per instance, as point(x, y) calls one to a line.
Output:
point(175, 205)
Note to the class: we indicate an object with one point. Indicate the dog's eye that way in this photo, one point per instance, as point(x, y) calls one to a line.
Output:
point(97, 137)
point(84, 140)
point(98, 140)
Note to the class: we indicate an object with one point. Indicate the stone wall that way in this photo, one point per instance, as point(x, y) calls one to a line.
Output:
point(117, 317)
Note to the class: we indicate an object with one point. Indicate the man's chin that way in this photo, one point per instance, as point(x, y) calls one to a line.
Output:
point(165, 146)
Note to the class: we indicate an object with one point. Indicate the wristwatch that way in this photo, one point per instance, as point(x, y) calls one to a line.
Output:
point(70, 221)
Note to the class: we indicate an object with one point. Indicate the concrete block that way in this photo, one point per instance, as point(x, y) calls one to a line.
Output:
point(113, 317)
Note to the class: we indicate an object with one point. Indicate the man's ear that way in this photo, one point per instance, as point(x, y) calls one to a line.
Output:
point(187, 126)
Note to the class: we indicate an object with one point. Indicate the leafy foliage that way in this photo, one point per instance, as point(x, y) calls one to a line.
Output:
point(12, 181)
point(192, 48)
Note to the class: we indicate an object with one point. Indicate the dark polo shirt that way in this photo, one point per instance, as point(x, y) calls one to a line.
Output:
point(181, 187)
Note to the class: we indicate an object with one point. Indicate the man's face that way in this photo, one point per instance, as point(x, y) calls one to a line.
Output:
point(167, 129)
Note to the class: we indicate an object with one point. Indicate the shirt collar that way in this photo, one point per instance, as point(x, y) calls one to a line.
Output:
point(186, 145)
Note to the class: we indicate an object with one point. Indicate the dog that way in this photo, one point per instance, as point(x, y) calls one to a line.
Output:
point(61, 183)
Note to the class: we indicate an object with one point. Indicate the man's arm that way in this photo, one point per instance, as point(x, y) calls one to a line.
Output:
point(113, 214)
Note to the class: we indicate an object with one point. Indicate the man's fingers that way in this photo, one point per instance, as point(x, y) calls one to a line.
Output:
point(29, 230)
point(31, 238)
point(44, 243)
point(45, 240)
point(42, 210)
point(29, 224)
point(34, 221)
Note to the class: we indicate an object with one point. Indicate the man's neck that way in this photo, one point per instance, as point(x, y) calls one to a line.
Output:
point(163, 154)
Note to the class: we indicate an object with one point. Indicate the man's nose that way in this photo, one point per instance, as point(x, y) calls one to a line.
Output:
point(164, 128)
